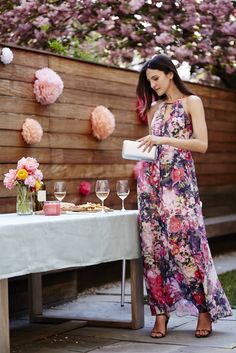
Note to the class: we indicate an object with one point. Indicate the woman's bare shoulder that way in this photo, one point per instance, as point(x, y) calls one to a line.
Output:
point(193, 103)
point(193, 99)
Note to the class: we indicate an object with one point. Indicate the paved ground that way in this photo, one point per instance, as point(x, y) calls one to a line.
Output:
point(69, 337)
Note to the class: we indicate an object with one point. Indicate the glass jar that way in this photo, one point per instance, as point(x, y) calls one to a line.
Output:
point(24, 200)
point(52, 208)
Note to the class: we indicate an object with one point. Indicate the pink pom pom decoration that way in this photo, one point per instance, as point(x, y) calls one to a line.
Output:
point(48, 86)
point(32, 131)
point(84, 188)
point(103, 122)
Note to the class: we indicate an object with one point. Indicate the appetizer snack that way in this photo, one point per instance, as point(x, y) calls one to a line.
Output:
point(86, 207)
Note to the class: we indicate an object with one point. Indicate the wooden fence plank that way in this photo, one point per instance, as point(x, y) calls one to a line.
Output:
point(221, 136)
point(220, 115)
point(21, 105)
point(30, 58)
point(60, 110)
point(111, 102)
point(215, 158)
point(12, 154)
point(65, 171)
point(13, 121)
point(18, 73)
point(92, 70)
point(218, 104)
point(25, 90)
point(213, 92)
point(90, 84)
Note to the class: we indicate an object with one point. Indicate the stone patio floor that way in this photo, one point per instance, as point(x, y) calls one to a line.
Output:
point(69, 337)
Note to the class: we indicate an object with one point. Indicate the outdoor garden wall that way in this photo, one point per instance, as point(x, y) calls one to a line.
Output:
point(68, 151)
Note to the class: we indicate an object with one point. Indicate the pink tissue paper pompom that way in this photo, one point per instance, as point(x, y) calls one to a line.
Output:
point(32, 131)
point(84, 188)
point(103, 122)
point(48, 86)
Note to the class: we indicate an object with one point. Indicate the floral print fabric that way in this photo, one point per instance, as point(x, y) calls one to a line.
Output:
point(178, 266)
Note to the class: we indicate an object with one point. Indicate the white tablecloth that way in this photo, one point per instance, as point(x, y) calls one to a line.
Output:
point(39, 243)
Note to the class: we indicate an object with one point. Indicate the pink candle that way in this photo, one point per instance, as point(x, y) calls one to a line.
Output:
point(51, 208)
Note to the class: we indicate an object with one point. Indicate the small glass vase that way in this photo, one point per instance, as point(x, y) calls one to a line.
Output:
point(24, 200)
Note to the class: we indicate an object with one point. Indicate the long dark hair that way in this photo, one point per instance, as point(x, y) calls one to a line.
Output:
point(144, 90)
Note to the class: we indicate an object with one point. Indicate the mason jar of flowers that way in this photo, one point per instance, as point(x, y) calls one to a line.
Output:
point(27, 178)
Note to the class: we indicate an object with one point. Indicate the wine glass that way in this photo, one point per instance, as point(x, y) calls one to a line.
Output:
point(102, 191)
point(59, 190)
point(122, 190)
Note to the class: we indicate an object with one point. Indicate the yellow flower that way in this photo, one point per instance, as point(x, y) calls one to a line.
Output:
point(37, 185)
point(22, 174)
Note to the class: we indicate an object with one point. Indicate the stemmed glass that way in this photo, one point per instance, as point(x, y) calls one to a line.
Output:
point(102, 191)
point(122, 190)
point(59, 190)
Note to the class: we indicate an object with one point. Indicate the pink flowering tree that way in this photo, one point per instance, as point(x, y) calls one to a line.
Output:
point(201, 32)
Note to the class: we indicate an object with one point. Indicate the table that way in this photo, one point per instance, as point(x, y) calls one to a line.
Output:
point(35, 244)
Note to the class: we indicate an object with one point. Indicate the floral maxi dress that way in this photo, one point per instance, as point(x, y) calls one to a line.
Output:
point(178, 266)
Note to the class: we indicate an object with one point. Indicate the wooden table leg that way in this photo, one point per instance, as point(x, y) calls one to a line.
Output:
point(4, 317)
point(35, 295)
point(137, 302)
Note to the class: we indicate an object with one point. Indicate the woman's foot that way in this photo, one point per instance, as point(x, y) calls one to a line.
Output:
point(160, 328)
point(204, 327)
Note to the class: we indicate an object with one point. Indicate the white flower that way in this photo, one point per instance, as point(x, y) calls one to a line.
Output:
point(184, 71)
point(6, 56)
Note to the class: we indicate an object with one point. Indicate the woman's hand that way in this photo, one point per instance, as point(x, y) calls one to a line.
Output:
point(149, 141)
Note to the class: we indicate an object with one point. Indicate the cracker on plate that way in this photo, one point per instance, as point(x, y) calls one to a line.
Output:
point(87, 207)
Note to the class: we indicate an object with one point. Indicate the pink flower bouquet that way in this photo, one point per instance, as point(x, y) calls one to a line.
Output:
point(28, 178)
point(26, 174)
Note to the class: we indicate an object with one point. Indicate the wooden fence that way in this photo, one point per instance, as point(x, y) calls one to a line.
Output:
point(69, 152)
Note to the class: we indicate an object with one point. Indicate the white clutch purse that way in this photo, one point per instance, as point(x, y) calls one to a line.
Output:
point(131, 151)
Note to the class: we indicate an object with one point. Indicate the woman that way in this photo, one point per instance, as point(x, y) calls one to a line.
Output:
point(178, 266)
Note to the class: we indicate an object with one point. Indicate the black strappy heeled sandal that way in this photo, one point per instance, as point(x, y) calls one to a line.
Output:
point(206, 334)
point(202, 332)
point(159, 334)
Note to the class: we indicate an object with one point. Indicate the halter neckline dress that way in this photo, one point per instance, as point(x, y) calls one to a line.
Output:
point(178, 266)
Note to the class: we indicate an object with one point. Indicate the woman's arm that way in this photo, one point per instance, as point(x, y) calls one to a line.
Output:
point(197, 143)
